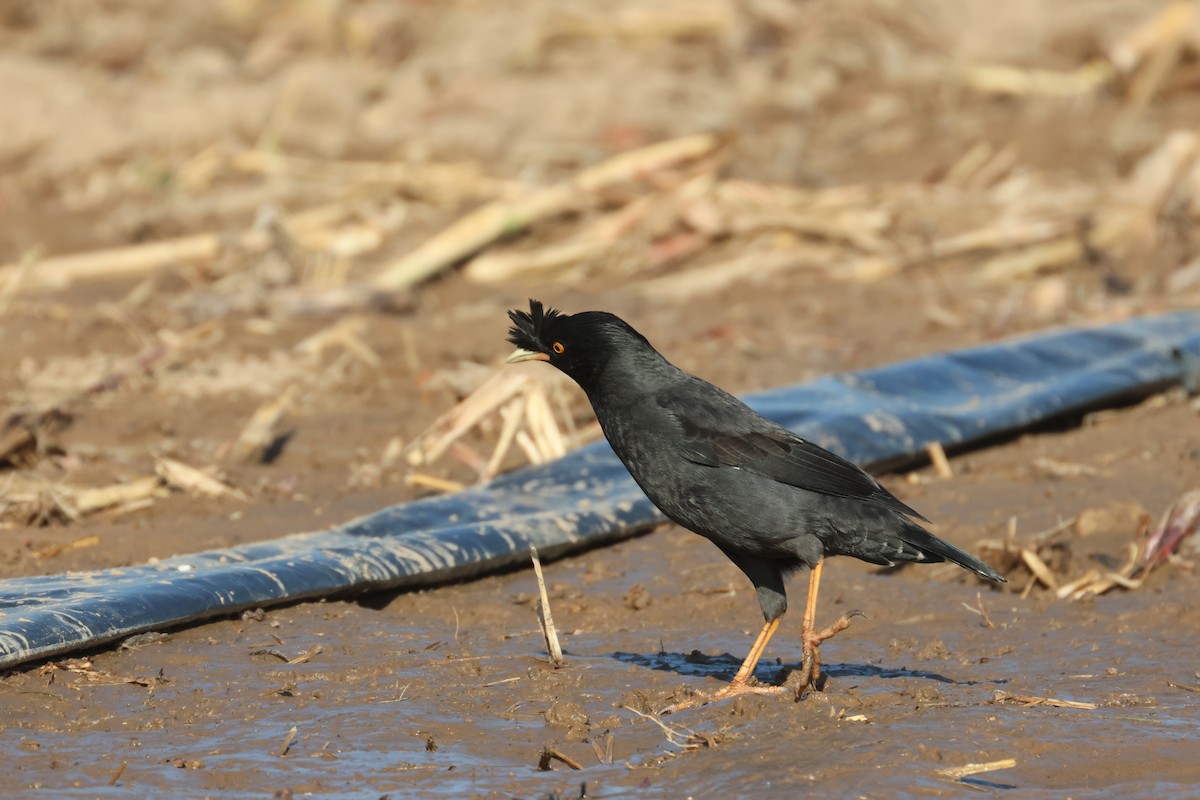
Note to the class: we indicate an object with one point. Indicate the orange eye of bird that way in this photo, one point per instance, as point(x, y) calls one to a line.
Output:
point(557, 347)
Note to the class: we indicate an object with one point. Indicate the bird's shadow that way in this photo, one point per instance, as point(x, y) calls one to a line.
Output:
point(725, 666)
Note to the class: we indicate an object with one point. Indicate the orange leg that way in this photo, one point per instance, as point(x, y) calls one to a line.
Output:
point(810, 668)
point(741, 681)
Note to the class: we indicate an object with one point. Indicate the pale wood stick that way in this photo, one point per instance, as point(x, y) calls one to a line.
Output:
point(138, 259)
point(497, 391)
point(941, 464)
point(88, 500)
point(512, 414)
point(433, 482)
point(485, 225)
point(956, 773)
point(259, 430)
point(188, 478)
point(545, 618)
point(1038, 567)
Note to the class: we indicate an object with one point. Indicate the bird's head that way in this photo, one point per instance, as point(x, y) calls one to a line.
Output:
point(581, 345)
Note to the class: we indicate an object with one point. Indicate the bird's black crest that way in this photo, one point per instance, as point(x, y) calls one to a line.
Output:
point(529, 328)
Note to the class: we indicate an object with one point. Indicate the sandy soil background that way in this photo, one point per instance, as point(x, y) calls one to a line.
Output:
point(250, 251)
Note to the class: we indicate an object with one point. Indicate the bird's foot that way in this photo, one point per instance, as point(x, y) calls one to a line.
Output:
point(813, 639)
point(736, 688)
point(732, 690)
point(810, 674)
point(810, 665)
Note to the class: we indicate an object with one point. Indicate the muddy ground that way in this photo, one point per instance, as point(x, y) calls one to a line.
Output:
point(130, 124)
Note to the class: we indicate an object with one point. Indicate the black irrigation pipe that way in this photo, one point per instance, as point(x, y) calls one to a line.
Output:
point(885, 416)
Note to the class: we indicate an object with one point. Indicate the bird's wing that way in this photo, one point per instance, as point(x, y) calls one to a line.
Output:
point(735, 436)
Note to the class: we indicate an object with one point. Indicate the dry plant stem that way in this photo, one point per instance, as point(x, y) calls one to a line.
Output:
point(17, 277)
point(259, 432)
point(485, 225)
point(433, 482)
point(520, 398)
point(937, 456)
point(593, 242)
point(529, 448)
point(493, 394)
point(1063, 469)
point(139, 259)
point(55, 550)
point(1050, 534)
point(1004, 79)
point(603, 751)
point(957, 773)
point(1039, 568)
point(994, 169)
point(500, 682)
point(978, 608)
point(676, 735)
point(549, 753)
point(1130, 51)
point(1181, 520)
point(968, 164)
point(1020, 264)
point(1097, 582)
point(87, 501)
point(467, 456)
point(1184, 686)
point(714, 278)
point(1130, 213)
point(190, 479)
point(1171, 27)
point(1069, 589)
point(1030, 700)
point(542, 426)
point(545, 618)
point(511, 415)
point(125, 508)
point(287, 741)
point(306, 655)
point(695, 21)
point(123, 262)
point(440, 182)
point(1003, 235)
point(347, 334)
point(117, 775)
point(546, 262)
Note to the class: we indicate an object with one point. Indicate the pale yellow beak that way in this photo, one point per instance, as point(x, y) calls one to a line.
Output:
point(521, 354)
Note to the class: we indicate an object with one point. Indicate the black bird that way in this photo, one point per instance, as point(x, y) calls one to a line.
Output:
point(770, 500)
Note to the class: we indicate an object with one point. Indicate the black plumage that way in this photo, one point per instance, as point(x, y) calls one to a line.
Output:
point(772, 501)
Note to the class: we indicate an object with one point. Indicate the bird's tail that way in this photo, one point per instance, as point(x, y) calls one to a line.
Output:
point(935, 549)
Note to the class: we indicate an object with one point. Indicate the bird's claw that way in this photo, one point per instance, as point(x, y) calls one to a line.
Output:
point(810, 666)
point(812, 639)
